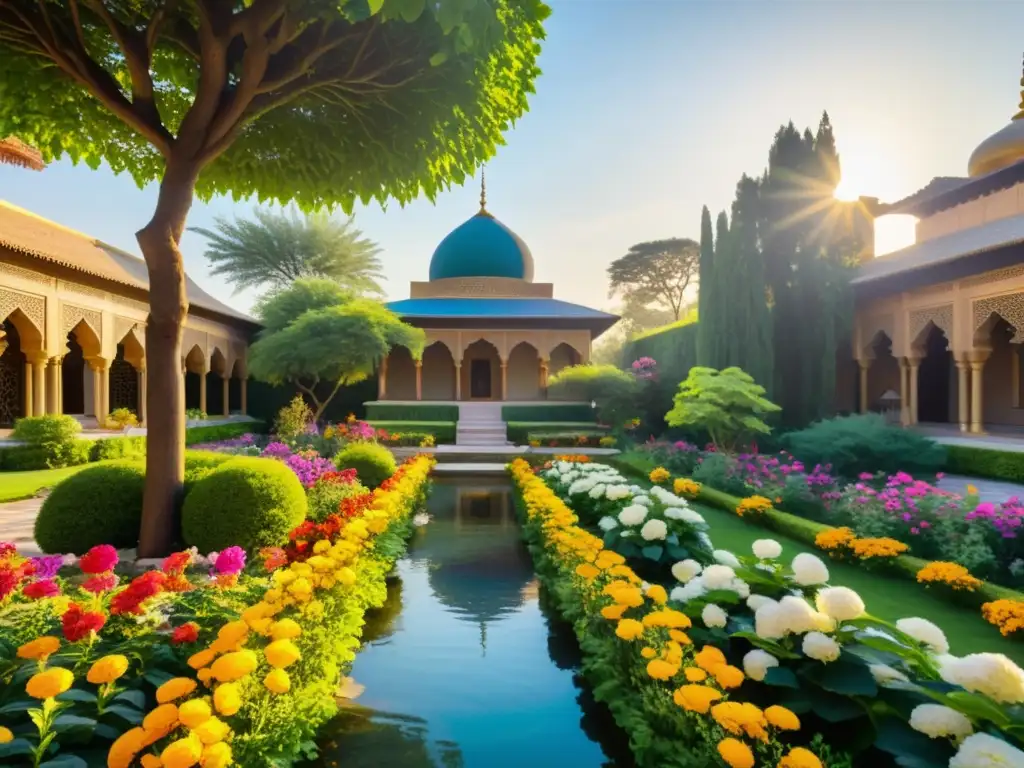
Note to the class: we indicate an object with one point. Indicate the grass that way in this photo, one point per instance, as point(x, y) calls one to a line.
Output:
point(15, 486)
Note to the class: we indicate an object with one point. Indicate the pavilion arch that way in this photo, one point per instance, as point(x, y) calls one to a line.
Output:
point(984, 331)
point(523, 377)
point(195, 360)
point(562, 356)
point(218, 363)
point(194, 365)
point(19, 339)
point(86, 337)
point(29, 336)
point(134, 350)
point(401, 374)
point(438, 372)
point(481, 371)
point(77, 382)
point(884, 373)
point(936, 376)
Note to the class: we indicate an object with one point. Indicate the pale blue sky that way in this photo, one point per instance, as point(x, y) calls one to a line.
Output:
point(648, 109)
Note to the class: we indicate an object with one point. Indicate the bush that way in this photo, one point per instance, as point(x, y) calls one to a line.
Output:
point(248, 502)
point(519, 431)
point(547, 414)
point(325, 496)
point(411, 412)
point(195, 414)
point(99, 505)
point(120, 418)
point(616, 392)
point(443, 431)
point(28, 458)
point(118, 448)
point(373, 463)
point(56, 435)
point(198, 464)
point(216, 432)
point(985, 462)
point(578, 439)
point(865, 443)
point(293, 420)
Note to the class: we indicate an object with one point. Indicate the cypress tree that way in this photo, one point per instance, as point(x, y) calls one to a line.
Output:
point(723, 344)
point(706, 299)
point(752, 328)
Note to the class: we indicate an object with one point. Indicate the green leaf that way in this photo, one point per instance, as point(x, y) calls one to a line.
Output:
point(438, 58)
point(849, 678)
point(781, 676)
point(977, 707)
point(76, 694)
point(129, 714)
point(910, 748)
point(653, 552)
point(16, 747)
point(67, 722)
point(134, 697)
point(832, 707)
point(16, 706)
point(375, 6)
point(65, 761)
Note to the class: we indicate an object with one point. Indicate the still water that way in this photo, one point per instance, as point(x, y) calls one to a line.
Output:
point(463, 667)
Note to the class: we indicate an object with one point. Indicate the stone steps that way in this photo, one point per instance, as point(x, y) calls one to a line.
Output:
point(480, 424)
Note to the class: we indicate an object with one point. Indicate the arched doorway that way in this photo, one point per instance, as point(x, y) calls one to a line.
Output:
point(481, 372)
point(438, 372)
point(561, 357)
point(935, 378)
point(883, 377)
point(401, 375)
point(124, 383)
point(215, 384)
point(76, 385)
point(195, 381)
point(12, 375)
point(1000, 388)
point(523, 373)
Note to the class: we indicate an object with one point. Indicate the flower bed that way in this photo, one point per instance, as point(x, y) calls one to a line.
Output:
point(178, 666)
point(777, 646)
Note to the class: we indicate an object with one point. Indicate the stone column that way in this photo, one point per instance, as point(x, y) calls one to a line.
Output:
point(863, 365)
point(225, 384)
point(543, 378)
point(382, 380)
point(97, 388)
point(28, 389)
point(245, 395)
point(914, 365)
point(202, 390)
point(904, 394)
point(419, 379)
point(977, 401)
point(142, 397)
point(105, 389)
point(52, 387)
point(504, 380)
point(39, 384)
point(963, 393)
point(458, 380)
point(60, 385)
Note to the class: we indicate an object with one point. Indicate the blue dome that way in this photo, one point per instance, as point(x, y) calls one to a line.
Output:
point(482, 247)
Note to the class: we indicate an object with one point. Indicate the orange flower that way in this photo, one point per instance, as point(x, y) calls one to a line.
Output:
point(695, 698)
point(709, 658)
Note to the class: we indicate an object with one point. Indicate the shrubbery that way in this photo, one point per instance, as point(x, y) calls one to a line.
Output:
point(293, 419)
point(117, 448)
point(326, 495)
point(615, 392)
point(99, 505)
point(865, 443)
point(198, 464)
point(247, 501)
point(57, 436)
point(373, 463)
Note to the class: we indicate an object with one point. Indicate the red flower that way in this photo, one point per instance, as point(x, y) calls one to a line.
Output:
point(7, 549)
point(186, 633)
point(99, 559)
point(130, 599)
point(102, 583)
point(177, 562)
point(273, 558)
point(41, 588)
point(10, 579)
point(78, 623)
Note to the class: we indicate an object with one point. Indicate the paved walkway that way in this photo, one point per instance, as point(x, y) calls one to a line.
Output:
point(17, 521)
point(988, 490)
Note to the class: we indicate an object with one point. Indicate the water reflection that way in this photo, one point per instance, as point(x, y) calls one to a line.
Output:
point(462, 667)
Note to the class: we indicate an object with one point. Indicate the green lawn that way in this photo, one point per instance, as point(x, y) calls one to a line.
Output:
point(887, 597)
point(25, 485)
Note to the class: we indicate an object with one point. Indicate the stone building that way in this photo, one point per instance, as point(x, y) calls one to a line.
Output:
point(72, 341)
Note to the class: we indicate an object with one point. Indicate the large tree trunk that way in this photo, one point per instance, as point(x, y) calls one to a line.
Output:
point(165, 401)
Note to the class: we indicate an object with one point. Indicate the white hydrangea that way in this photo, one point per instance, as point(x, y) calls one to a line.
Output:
point(769, 622)
point(607, 523)
point(980, 750)
point(654, 530)
point(741, 588)
point(937, 721)
point(563, 466)
point(685, 514)
point(617, 492)
point(718, 576)
point(597, 491)
point(666, 497)
point(821, 647)
point(823, 622)
point(636, 490)
point(756, 601)
point(767, 549)
point(797, 615)
point(644, 501)
point(685, 570)
point(713, 616)
point(634, 514)
point(583, 485)
point(705, 540)
point(725, 557)
point(884, 674)
point(925, 632)
point(841, 603)
point(692, 590)
point(757, 663)
point(809, 569)
point(989, 673)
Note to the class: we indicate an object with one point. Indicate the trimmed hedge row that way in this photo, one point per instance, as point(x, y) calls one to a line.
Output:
point(411, 412)
point(985, 462)
point(443, 431)
point(549, 414)
point(519, 431)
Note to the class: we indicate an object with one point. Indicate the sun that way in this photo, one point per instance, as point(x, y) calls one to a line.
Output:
point(848, 190)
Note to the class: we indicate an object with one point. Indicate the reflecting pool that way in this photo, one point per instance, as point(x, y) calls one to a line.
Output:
point(463, 667)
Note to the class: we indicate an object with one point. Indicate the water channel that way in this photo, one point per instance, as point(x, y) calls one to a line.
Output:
point(464, 667)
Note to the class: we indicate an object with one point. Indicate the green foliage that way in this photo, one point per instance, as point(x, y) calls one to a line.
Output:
point(707, 303)
point(985, 462)
point(99, 505)
point(215, 432)
point(195, 414)
point(657, 272)
point(324, 497)
point(119, 418)
point(729, 404)
point(57, 436)
point(552, 413)
point(199, 464)
point(294, 419)
point(519, 431)
point(616, 392)
point(118, 448)
point(275, 249)
point(442, 431)
point(373, 463)
point(376, 412)
point(675, 351)
point(865, 443)
point(249, 502)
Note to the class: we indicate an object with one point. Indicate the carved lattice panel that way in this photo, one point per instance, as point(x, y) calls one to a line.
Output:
point(1010, 307)
point(26, 274)
point(72, 316)
point(12, 381)
point(124, 386)
point(34, 307)
point(940, 317)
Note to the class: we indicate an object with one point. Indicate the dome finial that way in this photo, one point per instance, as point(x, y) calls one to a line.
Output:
point(1020, 113)
point(483, 193)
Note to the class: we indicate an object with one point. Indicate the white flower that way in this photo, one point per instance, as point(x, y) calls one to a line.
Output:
point(841, 603)
point(725, 557)
point(937, 721)
point(757, 663)
point(420, 519)
point(989, 673)
point(883, 674)
point(983, 751)
point(756, 601)
point(767, 549)
point(809, 569)
point(644, 501)
point(597, 491)
point(925, 632)
point(823, 622)
point(690, 516)
point(718, 576)
point(740, 587)
point(693, 589)
point(616, 492)
point(797, 615)
point(685, 570)
point(636, 490)
point(607, 523)
point(705, 540)
point(713, 616)
point(654, 530)
point(583, 485)
point(769, 621)
point(632, 515)
point(820, 647)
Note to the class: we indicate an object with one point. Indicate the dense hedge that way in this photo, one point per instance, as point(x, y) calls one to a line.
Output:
point(674, 349)
point(215, 432)
point(553, 412)
point(411, 412)
point(985, 462)
point(519, 431)
point(265, 400)
point(27, 458)
point(443, 431)
point(373, 462)
point(117, 448)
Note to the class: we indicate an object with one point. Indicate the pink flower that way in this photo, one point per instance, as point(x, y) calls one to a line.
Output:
point(231, 561)
point(914, 531)
point(41, 588)
point(865, 476)
point(100, 559)
point(100, 584)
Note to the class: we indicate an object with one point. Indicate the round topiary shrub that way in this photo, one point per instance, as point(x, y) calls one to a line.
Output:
point(326, 495)
point(247, 501)
point(99, 505)
point(198, 464)
point(372, 462)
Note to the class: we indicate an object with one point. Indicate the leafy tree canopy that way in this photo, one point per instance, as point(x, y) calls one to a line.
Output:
point(615, 392)
point(273, 250)
point(315, 332)
point(656, 272)
point(729, 404)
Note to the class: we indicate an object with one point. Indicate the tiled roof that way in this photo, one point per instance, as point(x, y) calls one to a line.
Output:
point(937, 186)
point(947, 191)
point(23, 231)
point(538, 309)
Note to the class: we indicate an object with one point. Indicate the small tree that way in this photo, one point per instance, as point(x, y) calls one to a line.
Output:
point(316, 332)
point(615, 392)
point(658, 272)
point(729, 404)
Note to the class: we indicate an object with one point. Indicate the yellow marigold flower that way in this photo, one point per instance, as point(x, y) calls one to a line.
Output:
point(680, 637)
point(782, 718)
point(754, 505)
point(201, 659)
point(972, 490)
point(736, 753)
point(709, 658)
point(865, 549)
point(648, 653)
point(216, 756)
point(951, 574)
point(256, 612)
point(659, 669)
point(683, 486)
point(277, 681)
point(6, 736)
point(659, 475)
point(668, 618)
point(40, 648)
point(151, 761)
point(226, 699)
point(1008, 615)
point(695, 698)
point(799, 757)
point(261, 626)
point(587, 571)
point(321, 546)
point(205, 675)
point(234, 666)
point(610, 557)
point(231, 636)
point(161, 720)
point(728, 676)
point(741, 718)
point(194, 713)
point(631, 597)
point(624, 572)
point(282, 653)
point(108, 669)
point(49, 683)
point(629, 629)
point(657, 593)
point(613, 612)
point(183, 753)
point(834, 539)
point(695, 674)
point(285, 629)
point(176, 688)
point(125, 748)
point(212, 730)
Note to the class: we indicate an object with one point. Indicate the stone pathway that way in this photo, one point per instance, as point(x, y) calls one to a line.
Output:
point(988, 490)
point(17, 521)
